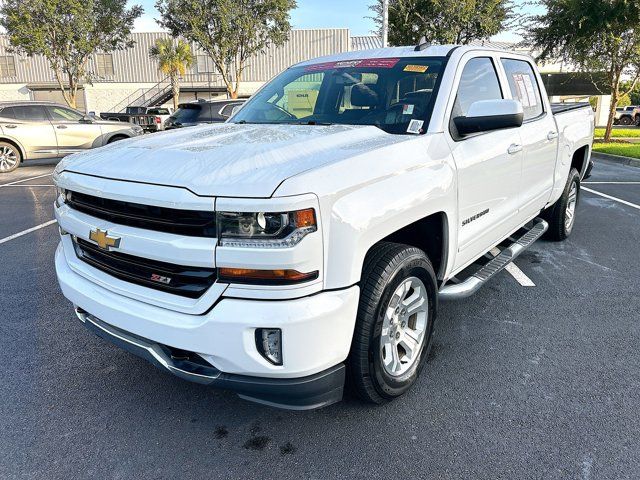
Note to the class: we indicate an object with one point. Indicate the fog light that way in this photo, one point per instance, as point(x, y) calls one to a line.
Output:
point(269, 344)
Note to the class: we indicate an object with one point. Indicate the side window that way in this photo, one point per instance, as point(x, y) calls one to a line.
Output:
point(524, 86)
point(479, 81)
point(7, 112)
point(227, 110)
point(61, 114)
point(30, 113)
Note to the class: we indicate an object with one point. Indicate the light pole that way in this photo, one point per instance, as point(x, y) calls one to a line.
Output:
point(385, 23)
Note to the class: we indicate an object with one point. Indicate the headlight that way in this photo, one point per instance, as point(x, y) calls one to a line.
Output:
point(265, 230)
point(61, 196)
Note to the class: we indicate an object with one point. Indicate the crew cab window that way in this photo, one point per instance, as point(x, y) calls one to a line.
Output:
point(61, 114)
point(524, 86)
point(479, 81)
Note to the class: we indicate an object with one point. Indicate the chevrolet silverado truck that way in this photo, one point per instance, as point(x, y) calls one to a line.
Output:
point(307, 242)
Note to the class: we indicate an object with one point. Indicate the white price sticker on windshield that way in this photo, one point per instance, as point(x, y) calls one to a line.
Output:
point(415, 126)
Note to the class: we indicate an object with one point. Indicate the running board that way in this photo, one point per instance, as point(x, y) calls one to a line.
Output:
point(495, 265)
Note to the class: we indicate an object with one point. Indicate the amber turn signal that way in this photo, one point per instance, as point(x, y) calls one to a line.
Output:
point(264, 277)
point(305, 218)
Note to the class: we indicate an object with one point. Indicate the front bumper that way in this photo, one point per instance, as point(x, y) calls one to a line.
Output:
point(316, 338)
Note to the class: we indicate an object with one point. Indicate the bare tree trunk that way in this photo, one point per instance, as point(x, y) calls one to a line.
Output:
point(612, 111)
point(175, 90)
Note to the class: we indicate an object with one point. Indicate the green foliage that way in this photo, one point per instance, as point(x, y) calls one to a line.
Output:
point(67, 33)
point(230, 31)
point(618, 133)
point(623, 149)
point(443, 21)
point(624, 100)
point(596, 35)
point(174, 58)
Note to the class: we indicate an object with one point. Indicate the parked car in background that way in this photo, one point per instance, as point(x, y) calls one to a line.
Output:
point(137, 116)
point(30, 130)
point(627, 115)
point(195, 113)
point(162, 114)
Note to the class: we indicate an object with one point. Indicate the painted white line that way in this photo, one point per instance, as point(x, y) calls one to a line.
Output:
point(515, 272)
point(24, 180)
point(27, 186)
point(24, 232)
point(610, 183)
point(624, 202)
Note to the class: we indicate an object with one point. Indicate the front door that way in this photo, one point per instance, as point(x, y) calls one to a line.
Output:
point(72, 131)
point(489, 167)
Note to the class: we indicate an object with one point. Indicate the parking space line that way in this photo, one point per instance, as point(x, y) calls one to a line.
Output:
point(610, 183)
point(24, 180)
point(515, 272)
point(624, 202)
point(29, 230)
point(27, 186)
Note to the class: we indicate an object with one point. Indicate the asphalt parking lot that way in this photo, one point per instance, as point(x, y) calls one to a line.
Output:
point(523, 382)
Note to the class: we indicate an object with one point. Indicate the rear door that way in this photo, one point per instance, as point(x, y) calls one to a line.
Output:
point(72, 132)
point(539, 136)
point(489, 164)
point(30, 126)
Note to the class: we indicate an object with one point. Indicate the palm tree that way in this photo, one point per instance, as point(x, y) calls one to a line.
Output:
point(173, 60)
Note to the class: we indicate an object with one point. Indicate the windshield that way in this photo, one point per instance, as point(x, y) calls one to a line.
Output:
point(186, 113)
point(394, 94)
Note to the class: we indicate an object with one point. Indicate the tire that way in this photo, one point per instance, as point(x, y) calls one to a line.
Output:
point(116, 138)
point(10, 157)
point(626, 120)
point(616, 121)
point(561, 215)
point(374, 372)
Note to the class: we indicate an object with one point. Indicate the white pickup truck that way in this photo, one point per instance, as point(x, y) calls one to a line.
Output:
point(310, 238)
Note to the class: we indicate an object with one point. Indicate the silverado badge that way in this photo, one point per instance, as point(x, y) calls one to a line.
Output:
point(102, 238)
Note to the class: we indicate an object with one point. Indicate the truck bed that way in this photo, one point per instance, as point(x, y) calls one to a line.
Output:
point(557, 108)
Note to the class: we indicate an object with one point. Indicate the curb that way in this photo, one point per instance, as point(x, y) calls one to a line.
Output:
point(633, 162)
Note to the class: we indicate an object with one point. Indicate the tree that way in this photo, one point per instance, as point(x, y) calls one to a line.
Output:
point(68, 33)
point(173, 60)
point(443, 21)
point(595, 35)
point(229, 31)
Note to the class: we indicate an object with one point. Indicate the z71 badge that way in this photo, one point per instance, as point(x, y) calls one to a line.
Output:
point(160, 279)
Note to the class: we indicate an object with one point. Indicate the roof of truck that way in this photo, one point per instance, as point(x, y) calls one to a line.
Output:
point(401, 52)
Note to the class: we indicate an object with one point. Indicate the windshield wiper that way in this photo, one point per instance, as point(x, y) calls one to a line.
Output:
point(312, 122)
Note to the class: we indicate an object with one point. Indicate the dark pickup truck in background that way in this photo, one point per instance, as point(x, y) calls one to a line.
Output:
point(138, 116)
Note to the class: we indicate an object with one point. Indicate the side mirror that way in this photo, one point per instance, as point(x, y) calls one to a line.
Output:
point(87, 119)
point(488, 115)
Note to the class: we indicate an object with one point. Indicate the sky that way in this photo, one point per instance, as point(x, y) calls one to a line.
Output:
point(349, 14)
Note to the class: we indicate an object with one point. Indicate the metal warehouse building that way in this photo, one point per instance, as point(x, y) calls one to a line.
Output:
point(121, 78)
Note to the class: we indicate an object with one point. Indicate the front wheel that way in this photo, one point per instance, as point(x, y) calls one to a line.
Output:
point(562, 215)
point(394, 325)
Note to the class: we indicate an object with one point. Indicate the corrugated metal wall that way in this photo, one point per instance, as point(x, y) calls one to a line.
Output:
point(135, 66)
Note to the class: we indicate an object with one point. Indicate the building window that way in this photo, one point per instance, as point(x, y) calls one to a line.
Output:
point(104, 64)
point(7, 66)
point(204, 64)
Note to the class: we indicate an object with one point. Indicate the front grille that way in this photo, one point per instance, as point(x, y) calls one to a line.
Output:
point(189, 282)
point(194, 223)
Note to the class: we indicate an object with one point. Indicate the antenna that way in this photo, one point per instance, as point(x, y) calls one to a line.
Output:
point(423, 44)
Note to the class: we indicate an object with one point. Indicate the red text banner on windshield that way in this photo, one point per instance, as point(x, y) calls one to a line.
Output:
point(362, 63)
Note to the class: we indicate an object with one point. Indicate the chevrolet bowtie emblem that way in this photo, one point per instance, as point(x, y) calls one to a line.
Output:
point(102, 238)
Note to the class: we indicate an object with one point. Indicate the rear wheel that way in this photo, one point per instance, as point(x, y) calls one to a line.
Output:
point(398, 305)
point(9, 157)
point(562, 215)
point(626, 120)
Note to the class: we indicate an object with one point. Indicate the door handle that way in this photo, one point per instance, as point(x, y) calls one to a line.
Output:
point(514, 148)
point(552, 135)
point(61, 127)
point(11, 125)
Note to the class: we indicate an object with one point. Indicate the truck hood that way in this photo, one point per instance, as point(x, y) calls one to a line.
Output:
point(229, 160)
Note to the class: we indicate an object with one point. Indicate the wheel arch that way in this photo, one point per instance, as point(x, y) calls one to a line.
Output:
point(580, 159)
